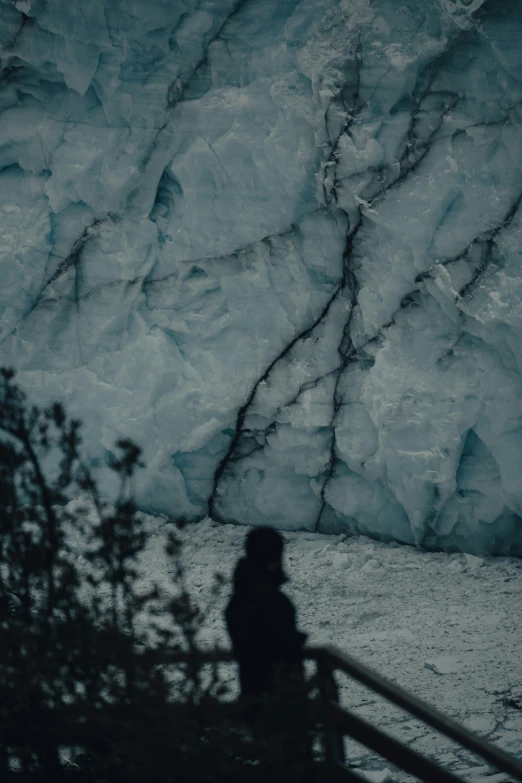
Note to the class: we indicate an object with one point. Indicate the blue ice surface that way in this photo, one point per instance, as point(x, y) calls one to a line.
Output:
point(278, 243)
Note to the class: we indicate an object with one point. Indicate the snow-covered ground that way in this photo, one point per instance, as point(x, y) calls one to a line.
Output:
point(446, 627)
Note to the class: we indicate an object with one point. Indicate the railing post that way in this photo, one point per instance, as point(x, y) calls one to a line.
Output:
point(333, 738)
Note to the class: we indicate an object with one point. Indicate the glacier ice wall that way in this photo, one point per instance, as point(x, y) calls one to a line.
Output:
point(277, 242)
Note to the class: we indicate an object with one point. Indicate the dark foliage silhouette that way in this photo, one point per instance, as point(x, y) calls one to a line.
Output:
point(89, 681)
point(85, 686)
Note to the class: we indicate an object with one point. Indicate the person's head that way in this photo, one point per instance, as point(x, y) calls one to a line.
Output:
point(264, 545)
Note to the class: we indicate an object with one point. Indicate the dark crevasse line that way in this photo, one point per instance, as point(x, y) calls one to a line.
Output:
point(238, 430)
point(483, 238)
point(175, 95)
point(10, 46)
point(406, 301)
point(415, 149)
point(467, 291)
point(73, 259)
point(74, 256)
point(237, 251)
point(334, 153)
point(177, 88)
point(414, 153)
point(346, 352)
point(409, 299)
point(345, 349)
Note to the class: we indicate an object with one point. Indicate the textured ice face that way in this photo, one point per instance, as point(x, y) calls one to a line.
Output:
point(278, 243)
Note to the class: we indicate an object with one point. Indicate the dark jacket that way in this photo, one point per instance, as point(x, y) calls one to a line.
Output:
point(261, 623)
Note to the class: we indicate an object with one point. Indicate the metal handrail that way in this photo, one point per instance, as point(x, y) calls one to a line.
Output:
point(330, 659)
point(394, 750)
point(336, 659)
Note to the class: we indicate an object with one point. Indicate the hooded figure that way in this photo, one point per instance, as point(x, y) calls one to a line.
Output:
point(261, 619)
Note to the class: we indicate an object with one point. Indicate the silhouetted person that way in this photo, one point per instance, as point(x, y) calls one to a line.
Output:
point(268, 648)
point(261, 619)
